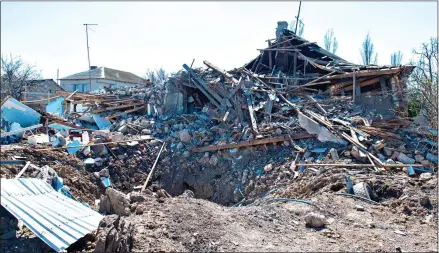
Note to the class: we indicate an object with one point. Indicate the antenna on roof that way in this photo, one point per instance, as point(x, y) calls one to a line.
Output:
point(88, 53)
point(297, 18)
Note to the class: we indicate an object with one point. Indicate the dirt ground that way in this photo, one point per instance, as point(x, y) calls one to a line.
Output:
point(186, 224)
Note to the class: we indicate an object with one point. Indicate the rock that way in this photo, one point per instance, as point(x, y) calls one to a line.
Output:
point(426, 163)
point(133, 207)
point(388, 151)
point(163, 194)
point(186, 154)
point(405, 159)
point(180, 146)
point(185, 136)
point(114, 234)
point(359, 208)
point(334, 154)
point(114, 202)
point(188, 194)
point(377, 146)
point(425, 202)
point(425, 176)
point(146, 131)
point(315, 220)
point(213, 160)
point(250, 187)
point(136, 197)
point(419, 158)
point(140, 209)
point(278, 131)
point(268, 167)
point(355, 152)
point(104, 173)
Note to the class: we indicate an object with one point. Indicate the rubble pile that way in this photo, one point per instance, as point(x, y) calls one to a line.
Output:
point(296, 124)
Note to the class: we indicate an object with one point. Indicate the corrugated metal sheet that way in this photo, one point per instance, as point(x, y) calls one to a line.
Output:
point(56, 219)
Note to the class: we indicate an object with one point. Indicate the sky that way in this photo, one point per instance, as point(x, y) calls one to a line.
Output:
point(136, 36)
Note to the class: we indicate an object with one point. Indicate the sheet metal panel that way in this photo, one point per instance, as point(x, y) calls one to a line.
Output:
point(13, 110)
point(56, 219)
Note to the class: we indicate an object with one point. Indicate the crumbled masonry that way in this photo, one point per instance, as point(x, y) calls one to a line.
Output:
point(295, 146)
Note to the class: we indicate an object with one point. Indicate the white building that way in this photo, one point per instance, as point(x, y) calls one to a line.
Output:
point(101, 77)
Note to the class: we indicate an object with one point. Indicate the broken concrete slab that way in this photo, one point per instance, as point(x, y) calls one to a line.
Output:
point(312, 127)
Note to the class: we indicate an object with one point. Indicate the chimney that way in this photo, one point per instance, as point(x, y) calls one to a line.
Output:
point(93, 67)
point(281, 25)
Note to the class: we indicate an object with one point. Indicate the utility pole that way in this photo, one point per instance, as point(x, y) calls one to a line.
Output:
point(88, 54)
point(297, 18)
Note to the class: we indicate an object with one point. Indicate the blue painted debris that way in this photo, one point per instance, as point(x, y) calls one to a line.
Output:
point(56, 106)
point(73, 147)
point(59, 127)
point(101, 122)
point(320, 157)
point(432, 158)
point(57, 183)
point(319, 150)
point(302, 168)
point(106, 181)
point(410, 171)
point(420, 169)
point(13, 110)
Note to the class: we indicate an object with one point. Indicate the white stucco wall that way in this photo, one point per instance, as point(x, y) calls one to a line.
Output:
point(96, 84)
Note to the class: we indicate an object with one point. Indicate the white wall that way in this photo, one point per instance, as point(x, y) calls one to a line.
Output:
point(96, 84)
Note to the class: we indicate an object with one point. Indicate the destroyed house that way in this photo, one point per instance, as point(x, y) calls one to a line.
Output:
point(101, 78)
point(288, 70)
point(41, 89)
point(291, 61)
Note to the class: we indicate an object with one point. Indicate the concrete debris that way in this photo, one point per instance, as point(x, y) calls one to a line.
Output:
point(114, 234)
point(114, 202)
point(293, 124)
point(315, 220)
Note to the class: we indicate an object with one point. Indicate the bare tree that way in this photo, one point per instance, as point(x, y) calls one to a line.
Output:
point(396, 58)
point(300, 27)
point(424, 80)
point(15, 75)
point(156, 76)
point(331, 43)
point(367, 51)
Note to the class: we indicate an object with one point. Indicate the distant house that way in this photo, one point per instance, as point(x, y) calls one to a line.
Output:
point(41, 89)
point(101, 77)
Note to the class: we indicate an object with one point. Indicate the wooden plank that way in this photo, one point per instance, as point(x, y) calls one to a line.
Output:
point(363, 73)
point(22, 170)
point(354, 88)
point(359, 165)
point(363, 84)
point(201, 88)
point(295, 64)
point(206, 86)
point(280, 49)
point(116, 107)
point(223, 72)
point(125, 112)
point(270, 60)
point(254, 142)
point(252, 113)
point(153, 167)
